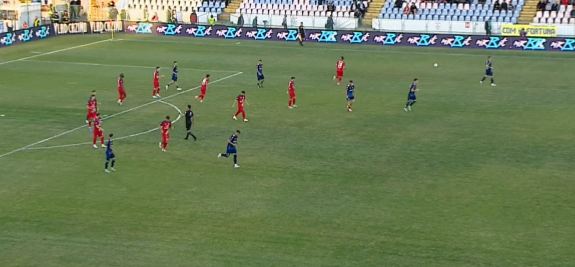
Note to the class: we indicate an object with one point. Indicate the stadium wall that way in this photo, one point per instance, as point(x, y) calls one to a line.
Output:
point(454, 41)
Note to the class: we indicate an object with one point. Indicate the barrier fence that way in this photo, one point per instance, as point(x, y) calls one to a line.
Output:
point(455, 41)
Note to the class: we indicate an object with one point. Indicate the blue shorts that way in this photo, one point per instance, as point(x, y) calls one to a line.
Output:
point(260, 77)
point(488, 72)
point(411, 97)
point(174, 78)
point(350, 98)
point(110, 156)
point(231, 150)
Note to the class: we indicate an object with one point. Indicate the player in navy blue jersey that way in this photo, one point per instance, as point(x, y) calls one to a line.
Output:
point(411, 98)
point(174, 77)
point(110, 157)
point(260, 74)
point(350, 95)
point(488, 71)
point(232, 148)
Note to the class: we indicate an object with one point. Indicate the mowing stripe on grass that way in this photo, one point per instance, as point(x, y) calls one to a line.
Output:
point(114, 65)
point(114, 115)
point(115, 139)
point(54, 52)
point(441, 51)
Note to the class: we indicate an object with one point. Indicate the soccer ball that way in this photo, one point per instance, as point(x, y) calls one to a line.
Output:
point(435, 65)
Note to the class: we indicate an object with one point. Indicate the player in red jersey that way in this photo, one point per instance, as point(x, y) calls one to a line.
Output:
point(291, 93)
point(241, 99)
point(92, 109)
point(121, 90)
point(165, 127)
point(98, 132)
point(203, 88)
point(340, 67)
point(156, 91)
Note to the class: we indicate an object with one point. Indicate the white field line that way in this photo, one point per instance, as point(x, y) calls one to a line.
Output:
point(54, 52)
point(386, 49)
point(115, 65)
point(114, 115)
point(119, 138)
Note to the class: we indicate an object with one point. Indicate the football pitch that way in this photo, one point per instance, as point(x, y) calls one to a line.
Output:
point(474, 176)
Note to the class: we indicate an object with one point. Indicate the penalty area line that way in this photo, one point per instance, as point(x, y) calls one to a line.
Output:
point(27, 147)
point(53, 52)
point(118, 138)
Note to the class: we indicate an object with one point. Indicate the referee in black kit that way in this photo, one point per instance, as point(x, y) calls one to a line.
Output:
point(189, 121)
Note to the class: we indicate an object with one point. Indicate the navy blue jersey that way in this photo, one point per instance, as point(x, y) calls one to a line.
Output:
point(231, 149)
point(412, 90)
point(413, 87)
point(109, 146)
point(234, 139)
point(175, 73)
point(350, 90)
point(109, 151)
point(488, 68)
point(260, 72)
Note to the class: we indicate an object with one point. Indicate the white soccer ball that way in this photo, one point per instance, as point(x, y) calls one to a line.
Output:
point(435, 65)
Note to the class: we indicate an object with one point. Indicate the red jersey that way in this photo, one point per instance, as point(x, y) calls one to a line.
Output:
point(92, 105)
point(165, 126)
point(205, 82)
point(156, 76)
point(241, 100)
point(340, 65)
point(291, 87)
point(120, 84)
point(97, 125)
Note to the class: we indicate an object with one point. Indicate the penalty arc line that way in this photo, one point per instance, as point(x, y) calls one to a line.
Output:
point(54, 52)
point(115, 139)
point(114, 115)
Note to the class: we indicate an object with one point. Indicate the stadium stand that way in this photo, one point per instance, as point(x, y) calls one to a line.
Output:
point(341, 8)
point(474, 12)
point(145, 10)
point(563, 15)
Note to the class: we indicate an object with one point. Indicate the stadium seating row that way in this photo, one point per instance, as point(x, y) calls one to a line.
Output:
point(342, 14)
point(137, 7)
point(301, 2)
point(474, 12)
point(343, 8)
point(293, 7)
point(563, 16)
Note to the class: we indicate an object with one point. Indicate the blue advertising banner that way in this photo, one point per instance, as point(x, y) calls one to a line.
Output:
point(26, 35)
point(319, 36)
point(357, 37)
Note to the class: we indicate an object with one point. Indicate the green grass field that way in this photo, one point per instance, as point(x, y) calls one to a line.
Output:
point(474, 176)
